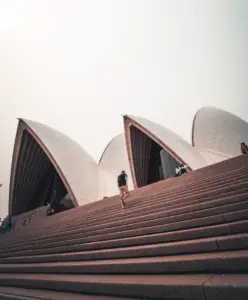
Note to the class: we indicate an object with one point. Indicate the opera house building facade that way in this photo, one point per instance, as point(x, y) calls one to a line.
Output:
point(49, 165)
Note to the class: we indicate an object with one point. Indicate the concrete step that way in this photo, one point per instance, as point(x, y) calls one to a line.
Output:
point(126, 217)
point(213, 244)
point(179, 235)
point(118, 210)
point(190, 287)
point(201, 186)
point(12, 293)
point(187, 191)
point(217, 262)
point(78, 210)
point(115, 209)
point(142, 213)
point(187, 220)
point(178, 215)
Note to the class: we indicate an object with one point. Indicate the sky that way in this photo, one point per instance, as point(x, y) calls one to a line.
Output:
point(78, 65)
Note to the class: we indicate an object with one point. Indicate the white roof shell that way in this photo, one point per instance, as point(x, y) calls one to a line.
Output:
point(217, 134)
point(76, 167)
point(173, 143)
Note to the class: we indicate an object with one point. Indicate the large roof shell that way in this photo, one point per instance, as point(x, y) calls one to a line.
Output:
point(76, 167)
point(217, 134)
point(170, 141)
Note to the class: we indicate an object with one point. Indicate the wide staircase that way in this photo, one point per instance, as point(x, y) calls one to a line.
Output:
point(183, 238)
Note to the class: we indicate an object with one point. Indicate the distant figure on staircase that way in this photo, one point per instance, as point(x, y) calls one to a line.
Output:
point(50, 210)
point(122, 184)
point(9, 224)
point(244, 148)
point(180, 170)
point(177, 171)
point(183, 169)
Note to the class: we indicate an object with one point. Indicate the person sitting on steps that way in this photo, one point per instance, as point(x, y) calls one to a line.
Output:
point(9, 224)
point(50, 210)
point(177, 171)
point(180, 170)
point(244, 148)
point(122, 184)
point(183, 169)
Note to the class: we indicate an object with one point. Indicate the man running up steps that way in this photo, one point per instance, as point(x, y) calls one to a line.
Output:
point(122, 184)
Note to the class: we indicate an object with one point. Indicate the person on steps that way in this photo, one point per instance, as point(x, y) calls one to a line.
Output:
point(9, 224)
point(177, 171)
point(122, 184)
point(244, 148)
point(50, 210)
point(183, 169)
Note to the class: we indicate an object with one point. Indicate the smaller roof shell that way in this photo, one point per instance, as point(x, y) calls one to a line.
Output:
point(217, 134)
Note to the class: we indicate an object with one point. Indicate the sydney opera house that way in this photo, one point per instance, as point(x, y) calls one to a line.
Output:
point(48, 166)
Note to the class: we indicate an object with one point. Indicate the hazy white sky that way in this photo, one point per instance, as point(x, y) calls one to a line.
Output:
point(77, 65)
